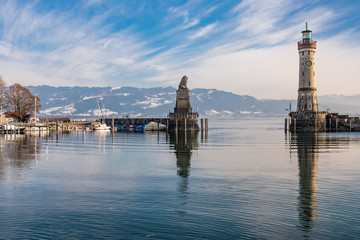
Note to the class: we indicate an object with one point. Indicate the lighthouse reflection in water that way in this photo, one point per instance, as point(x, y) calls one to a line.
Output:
point(307, 152)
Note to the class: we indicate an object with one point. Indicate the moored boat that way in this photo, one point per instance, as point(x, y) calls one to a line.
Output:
point(10, 128)
point(101, 127)
point(154, 126)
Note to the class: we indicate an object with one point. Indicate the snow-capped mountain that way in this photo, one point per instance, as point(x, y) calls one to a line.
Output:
point(131, 101)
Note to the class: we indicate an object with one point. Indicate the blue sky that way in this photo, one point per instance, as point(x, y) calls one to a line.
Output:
point(246, 47)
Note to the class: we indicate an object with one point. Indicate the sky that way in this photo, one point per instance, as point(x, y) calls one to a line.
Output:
point(245, 47)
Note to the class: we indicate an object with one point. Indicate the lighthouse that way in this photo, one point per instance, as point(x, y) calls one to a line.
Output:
point(307, 97)
point(307, 116)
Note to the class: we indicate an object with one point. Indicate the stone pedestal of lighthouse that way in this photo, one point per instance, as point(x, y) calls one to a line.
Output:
point(183, 118)
point(307, 116)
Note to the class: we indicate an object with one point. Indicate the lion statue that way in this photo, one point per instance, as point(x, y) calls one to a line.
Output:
point(183, 82)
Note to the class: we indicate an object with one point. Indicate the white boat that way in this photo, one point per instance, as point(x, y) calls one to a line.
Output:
point(101, 127)
point(154, 126)
point(12, 128)
point(39, 128)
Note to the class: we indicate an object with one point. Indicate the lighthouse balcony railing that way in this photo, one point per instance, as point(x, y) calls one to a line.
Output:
point(306, 43)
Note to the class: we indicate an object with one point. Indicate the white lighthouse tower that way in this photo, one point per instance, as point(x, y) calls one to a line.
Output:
point(307, 116)
point(307, 97)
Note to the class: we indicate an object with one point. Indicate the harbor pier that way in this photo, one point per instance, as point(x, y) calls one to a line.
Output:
point(136, 121)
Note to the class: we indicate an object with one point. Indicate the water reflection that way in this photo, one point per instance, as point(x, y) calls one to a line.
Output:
point(307, 151)
point(102, 136)
point(184, 144)
point(18, 153)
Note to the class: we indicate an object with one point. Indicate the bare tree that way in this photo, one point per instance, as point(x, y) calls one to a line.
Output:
point(3, 93)
point(22, 101)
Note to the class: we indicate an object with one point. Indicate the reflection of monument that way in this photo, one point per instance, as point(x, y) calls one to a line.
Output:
point(183, 144)
point(183, 118)
point(307, 152)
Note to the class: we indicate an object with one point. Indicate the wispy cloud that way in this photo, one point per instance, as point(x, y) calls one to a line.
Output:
point(203, 31)
point(120, 43)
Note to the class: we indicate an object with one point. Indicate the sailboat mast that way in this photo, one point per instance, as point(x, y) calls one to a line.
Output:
point(101, 117)
point(102, 112)
point(35, 110)
point(98, 100)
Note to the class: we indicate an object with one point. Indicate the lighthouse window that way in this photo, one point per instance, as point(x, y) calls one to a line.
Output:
point(303, 53)
point(303, 73)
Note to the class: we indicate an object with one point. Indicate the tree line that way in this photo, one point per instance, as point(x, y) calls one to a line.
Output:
point(18, 99)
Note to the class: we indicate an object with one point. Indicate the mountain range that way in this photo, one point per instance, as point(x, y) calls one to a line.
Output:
point(159, 101)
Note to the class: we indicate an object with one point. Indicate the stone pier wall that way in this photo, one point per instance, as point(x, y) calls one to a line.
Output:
point(323, 122)
point(308, 121)
point(183, 122)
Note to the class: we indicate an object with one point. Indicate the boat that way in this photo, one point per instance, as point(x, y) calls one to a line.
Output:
point(120, 127)
point(38, 128)
point(154, 126)
point(140, 127)
point(101, 127)
point(10, 128)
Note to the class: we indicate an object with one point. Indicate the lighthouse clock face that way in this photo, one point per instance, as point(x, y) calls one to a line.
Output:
point(308, 63)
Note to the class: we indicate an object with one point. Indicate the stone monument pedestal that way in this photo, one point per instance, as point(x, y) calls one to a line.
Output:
point(183, 118)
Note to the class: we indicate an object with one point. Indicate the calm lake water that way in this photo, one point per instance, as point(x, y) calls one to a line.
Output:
point(246, 179)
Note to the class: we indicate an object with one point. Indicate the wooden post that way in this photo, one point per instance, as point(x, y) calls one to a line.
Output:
point(176, 124)
point(206, 134)
point(330, 124)
point(57, 125)
point(289, 122)
point(285, 126)
point(202, 124)
point(112, 125)
point(167, 125)
point(185, 124)
point(206, 125)
point(336, 124)
point(350, 125)
point(294, 124)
